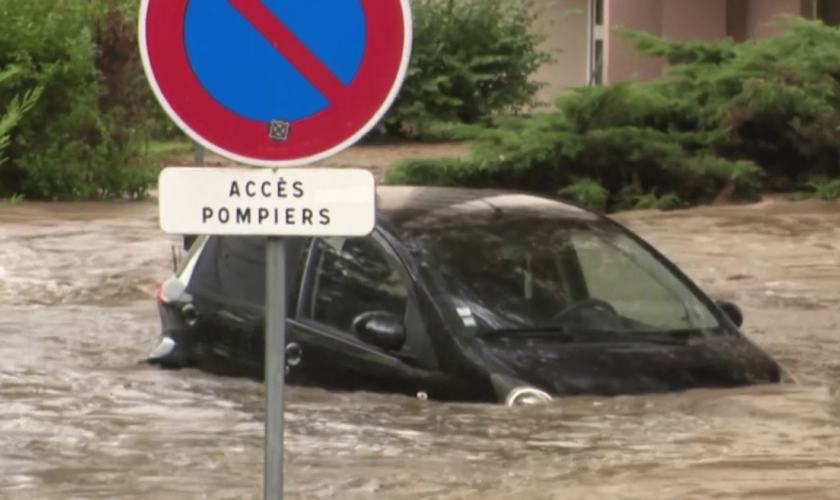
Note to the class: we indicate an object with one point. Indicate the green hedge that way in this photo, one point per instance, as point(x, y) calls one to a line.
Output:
point(733, 119)
point(14, 111)
point(81, 138)
point(471, 60)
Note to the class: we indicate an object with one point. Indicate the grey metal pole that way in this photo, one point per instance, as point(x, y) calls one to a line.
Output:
point(275, 366)
point(198, 154)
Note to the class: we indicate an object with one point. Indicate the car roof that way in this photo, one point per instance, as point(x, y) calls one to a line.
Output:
point(403, 204)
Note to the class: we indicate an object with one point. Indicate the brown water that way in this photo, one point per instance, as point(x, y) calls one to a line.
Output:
point(80, 419)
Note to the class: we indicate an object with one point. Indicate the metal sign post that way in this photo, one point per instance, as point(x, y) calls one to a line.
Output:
point(198, 154)
point(275, 366)
point(290, 83)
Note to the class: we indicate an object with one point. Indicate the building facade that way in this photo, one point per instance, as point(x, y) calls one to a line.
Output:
point(588, 52)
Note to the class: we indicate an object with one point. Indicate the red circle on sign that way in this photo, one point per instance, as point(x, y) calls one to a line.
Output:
point(349, 115)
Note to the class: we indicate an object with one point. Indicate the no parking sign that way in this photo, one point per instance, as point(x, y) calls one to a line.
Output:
point(273, 83)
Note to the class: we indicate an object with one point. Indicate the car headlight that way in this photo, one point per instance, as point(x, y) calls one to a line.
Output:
point(525, 396)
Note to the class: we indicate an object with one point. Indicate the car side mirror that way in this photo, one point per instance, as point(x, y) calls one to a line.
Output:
point(732, 311)
point(381, 329)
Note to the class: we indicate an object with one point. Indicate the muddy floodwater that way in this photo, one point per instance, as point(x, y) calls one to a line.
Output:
point(81, 419)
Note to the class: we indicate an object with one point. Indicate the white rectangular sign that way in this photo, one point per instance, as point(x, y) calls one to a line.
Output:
point(271, 202)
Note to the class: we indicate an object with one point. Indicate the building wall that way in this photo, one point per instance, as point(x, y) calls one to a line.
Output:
point(621, 60)
point(694, 19)
point(763, 20)
point(828, 11)
point(566, 24)
point(737, 12)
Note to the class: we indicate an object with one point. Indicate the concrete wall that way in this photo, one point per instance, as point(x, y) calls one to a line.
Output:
point(829, 11)
point(621, 60)
point(694, 19)
point(566, 24)
point(762, 16)
point(737, 12)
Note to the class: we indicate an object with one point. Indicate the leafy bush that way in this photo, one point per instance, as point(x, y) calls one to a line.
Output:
point(82, 137)
point(732, 119)
point(13, 113)
point(775, 101)
point(471, 59)
point(825, 189)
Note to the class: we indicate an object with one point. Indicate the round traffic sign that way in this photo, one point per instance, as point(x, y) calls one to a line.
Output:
point(276, 83)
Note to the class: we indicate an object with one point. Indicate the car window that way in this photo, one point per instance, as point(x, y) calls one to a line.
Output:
point(622, 278)
point(233, 267)
point(524, 285)
point(519, 271)
point(297, 270)
point(353, 276)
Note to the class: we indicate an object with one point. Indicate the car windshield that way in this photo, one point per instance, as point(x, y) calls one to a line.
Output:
point(530, 273)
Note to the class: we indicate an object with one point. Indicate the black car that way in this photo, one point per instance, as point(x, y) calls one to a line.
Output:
point(463, 294)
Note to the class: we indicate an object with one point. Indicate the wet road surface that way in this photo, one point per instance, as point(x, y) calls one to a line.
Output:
point(81, 419)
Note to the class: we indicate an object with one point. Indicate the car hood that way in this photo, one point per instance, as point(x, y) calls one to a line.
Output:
point(613, 368)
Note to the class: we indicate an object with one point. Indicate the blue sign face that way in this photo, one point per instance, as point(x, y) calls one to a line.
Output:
point(275, 83)
point(248, 75)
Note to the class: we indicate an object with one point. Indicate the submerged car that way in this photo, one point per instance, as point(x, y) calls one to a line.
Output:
point(462, 294)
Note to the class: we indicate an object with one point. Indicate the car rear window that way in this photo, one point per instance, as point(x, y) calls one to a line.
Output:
point(233, 268)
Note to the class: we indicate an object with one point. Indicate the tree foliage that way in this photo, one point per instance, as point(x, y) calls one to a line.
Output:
point(471, 59)
point(14, 111)
point(730, 118)
point(70, 87)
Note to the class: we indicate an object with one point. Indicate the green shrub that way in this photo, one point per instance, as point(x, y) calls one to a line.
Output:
point(774, 101)
point(587, 192)
point(825, 189)
point(732, 118)
point(653, 201)
point(471, 59)
point(14, 111)
point(82, 137)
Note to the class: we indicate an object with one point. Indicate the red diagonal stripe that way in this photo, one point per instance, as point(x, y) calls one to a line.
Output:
point(290, 46)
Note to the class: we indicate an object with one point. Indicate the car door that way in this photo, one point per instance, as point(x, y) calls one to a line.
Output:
point(345, 278)
point(228, 289)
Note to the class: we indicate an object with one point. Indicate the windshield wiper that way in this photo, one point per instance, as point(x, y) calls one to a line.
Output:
point(590, 335)
point(555, 332)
